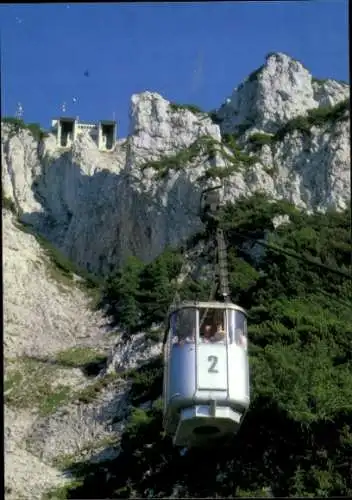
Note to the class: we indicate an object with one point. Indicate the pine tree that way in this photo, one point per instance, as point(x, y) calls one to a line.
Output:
point(156, 291)
point(123, 292)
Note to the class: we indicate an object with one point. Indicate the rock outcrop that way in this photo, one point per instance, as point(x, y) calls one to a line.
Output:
point(275, 93)
point(281, 132)
point(42, 315)
point(99, 207)
point(54, 410)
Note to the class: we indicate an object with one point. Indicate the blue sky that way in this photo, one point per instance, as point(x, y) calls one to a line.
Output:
point(188, 52)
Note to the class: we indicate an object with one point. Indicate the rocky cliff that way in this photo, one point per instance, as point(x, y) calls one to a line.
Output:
point(281, 131)
point(62, 395)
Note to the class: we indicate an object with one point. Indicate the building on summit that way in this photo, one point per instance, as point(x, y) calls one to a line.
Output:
point(67, 130)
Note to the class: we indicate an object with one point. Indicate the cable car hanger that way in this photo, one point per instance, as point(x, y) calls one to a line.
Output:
point(210, 204)
point(206, 389)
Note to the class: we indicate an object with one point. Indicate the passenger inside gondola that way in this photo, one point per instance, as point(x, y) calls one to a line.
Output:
point(207, 334)
point(212, 328)
point(220, 333)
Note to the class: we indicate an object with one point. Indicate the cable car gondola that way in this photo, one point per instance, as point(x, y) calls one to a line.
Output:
point(206, 389)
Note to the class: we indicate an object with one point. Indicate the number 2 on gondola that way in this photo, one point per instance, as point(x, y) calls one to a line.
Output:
point(212, 368)
point(213, 361)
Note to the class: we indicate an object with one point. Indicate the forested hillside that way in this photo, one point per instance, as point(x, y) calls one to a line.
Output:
point(296, 439)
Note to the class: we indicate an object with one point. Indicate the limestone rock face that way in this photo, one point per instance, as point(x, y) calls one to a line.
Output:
point(46, 315)
point(99, 207)
point(311, 172)
point(277, 92)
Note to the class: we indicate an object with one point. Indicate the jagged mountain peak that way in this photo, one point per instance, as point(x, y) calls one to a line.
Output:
point(280, 90)
point(99, 207)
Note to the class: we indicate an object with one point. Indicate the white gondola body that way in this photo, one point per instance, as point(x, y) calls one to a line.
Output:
point(206, 383)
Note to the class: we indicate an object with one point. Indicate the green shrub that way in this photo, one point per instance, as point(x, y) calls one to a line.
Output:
point(8, 204)
point(214, 117)
point(79, 356)
point(316, 117)
point(238, 159)
point(61, 492)
point(176, 162)
point(295, 438)
point(319, 116)
point(138, 295)
point(209, 147)
point(17, 124)
point(219, 172)
point(29, 384)
point(14, 122)
point(259, 139)
point(62, 268)
point(242, 129)
point(93, 390)
point(195, 239)
point(229, 140)
point(154, 334)
point(319, 80)
point(120, 295)
point(190, 107)
point(300, 123)
point(158, 286)
point(146, 382)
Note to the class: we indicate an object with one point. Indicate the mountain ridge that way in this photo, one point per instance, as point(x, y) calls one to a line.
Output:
point(144, 195)
point(80, 394)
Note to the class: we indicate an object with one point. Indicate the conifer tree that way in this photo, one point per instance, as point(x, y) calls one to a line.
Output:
point(157, 291)
point(123, 292)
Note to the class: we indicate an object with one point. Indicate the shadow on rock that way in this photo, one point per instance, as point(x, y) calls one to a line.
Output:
point(97, 220)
